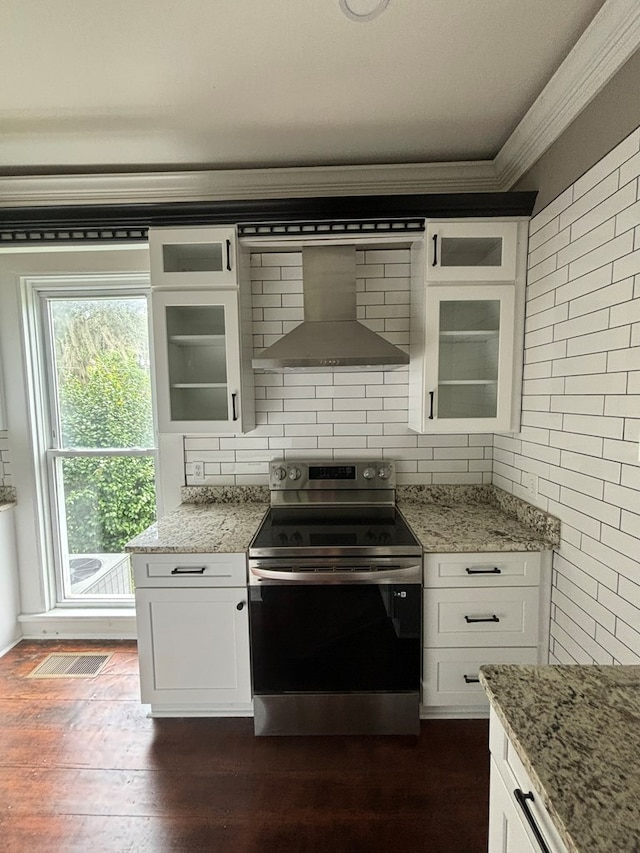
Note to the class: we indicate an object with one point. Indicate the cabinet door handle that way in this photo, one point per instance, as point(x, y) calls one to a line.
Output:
point(431, 396)
point(471, 679)
point(229, 255)
point(233, 407)
point(470, 619)
point(434, 262)
point(240, 605)
point(521, 799)
point(189, 570)
point(494, 571)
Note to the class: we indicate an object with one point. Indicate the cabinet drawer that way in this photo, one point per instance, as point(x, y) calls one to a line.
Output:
point(450, 676)
point(488, 569)
point(486, 617)
point(185, 570)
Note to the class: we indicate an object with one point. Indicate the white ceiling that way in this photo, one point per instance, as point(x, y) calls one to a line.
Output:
point(89, 85)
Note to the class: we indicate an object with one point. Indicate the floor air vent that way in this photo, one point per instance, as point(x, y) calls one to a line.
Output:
point(68, 665)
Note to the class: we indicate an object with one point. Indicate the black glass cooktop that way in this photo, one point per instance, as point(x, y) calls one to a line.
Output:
point(315, 536)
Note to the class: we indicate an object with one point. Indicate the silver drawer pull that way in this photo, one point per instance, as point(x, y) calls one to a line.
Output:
point(494, 571)
point(470, 619)
point(189, 570)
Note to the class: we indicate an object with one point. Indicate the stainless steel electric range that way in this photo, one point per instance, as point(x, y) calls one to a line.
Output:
point(335, 603)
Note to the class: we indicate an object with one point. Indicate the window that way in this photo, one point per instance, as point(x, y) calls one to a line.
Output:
point(100, 455)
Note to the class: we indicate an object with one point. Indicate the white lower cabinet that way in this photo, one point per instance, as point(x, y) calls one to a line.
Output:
point(193, 634)
point(478, 609)
point(518, 819)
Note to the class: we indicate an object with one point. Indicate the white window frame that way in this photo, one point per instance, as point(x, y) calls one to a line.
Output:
point(89, 287)
point(21, 267)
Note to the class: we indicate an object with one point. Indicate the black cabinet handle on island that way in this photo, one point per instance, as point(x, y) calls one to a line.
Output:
point(469, 679)
point(240, 605)
point(521, 799)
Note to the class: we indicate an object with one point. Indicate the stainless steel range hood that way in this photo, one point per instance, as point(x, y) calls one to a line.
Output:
point(330, 337)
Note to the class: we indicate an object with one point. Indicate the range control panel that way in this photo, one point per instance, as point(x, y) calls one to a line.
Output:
point(303, 475)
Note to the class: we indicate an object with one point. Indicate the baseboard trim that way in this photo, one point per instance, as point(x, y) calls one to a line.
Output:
point(79, 624)
point(451, 712)
point(168, 711)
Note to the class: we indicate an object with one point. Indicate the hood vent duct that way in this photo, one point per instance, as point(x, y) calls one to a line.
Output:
point(330, 337)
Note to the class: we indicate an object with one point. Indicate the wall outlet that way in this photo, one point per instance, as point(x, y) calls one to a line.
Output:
point(530, 483)
point(198, 470)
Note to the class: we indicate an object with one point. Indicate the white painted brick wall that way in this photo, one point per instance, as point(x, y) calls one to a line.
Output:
point(581, 406)
point(336, 415)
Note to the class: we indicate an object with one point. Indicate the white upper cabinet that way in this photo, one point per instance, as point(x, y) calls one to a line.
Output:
point(471, 251)
point(193, 257)
point(467, 327)
point(198, 363)
point(465, 376)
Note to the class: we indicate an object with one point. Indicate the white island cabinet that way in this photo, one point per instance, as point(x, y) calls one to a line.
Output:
point(193, 634)
point(518, 819)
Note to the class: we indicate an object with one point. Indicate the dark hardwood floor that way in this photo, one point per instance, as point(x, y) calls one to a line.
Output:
point(83, 769)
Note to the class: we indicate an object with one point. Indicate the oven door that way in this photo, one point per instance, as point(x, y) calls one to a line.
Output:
point(335, 638)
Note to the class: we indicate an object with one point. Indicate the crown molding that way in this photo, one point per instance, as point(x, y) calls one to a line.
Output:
point(243, 184)
point(609, 40)
point(607, 43)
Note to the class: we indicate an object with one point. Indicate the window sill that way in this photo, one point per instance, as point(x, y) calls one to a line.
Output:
point(80, 623)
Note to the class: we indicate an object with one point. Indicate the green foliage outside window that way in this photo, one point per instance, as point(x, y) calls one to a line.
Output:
point(105, 401)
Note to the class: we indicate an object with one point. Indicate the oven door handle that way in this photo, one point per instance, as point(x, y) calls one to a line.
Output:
point(403, 574)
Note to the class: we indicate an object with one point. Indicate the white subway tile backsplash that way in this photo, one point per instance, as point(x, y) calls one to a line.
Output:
point(594, 481)
point(601, 342)
point(551, 211)
point(630, 217)
point(613, 205)
point(611, 295)
point(602, 254)
point(589, 243)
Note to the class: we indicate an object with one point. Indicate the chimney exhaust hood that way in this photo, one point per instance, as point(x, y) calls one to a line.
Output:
point(330, 337)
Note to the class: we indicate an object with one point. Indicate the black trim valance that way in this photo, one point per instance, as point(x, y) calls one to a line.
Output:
point(130, 222)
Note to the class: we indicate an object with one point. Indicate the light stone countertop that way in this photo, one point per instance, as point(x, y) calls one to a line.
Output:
point(202, 528)
point(576, 729)
point(218, 519)
point(7, 497)
point(475, 518)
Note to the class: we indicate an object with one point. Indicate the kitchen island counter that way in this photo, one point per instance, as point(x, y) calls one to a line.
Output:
point(576, 730)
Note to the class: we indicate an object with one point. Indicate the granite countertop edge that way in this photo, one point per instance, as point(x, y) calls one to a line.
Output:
point(8, 497)
point(528, 765)
point(575, 729)
point(465, 519)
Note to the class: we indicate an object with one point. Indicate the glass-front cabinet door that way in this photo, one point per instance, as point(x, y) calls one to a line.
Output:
point(473, 251)
point(468, 358)
point(197, 346)
point(193, 257)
